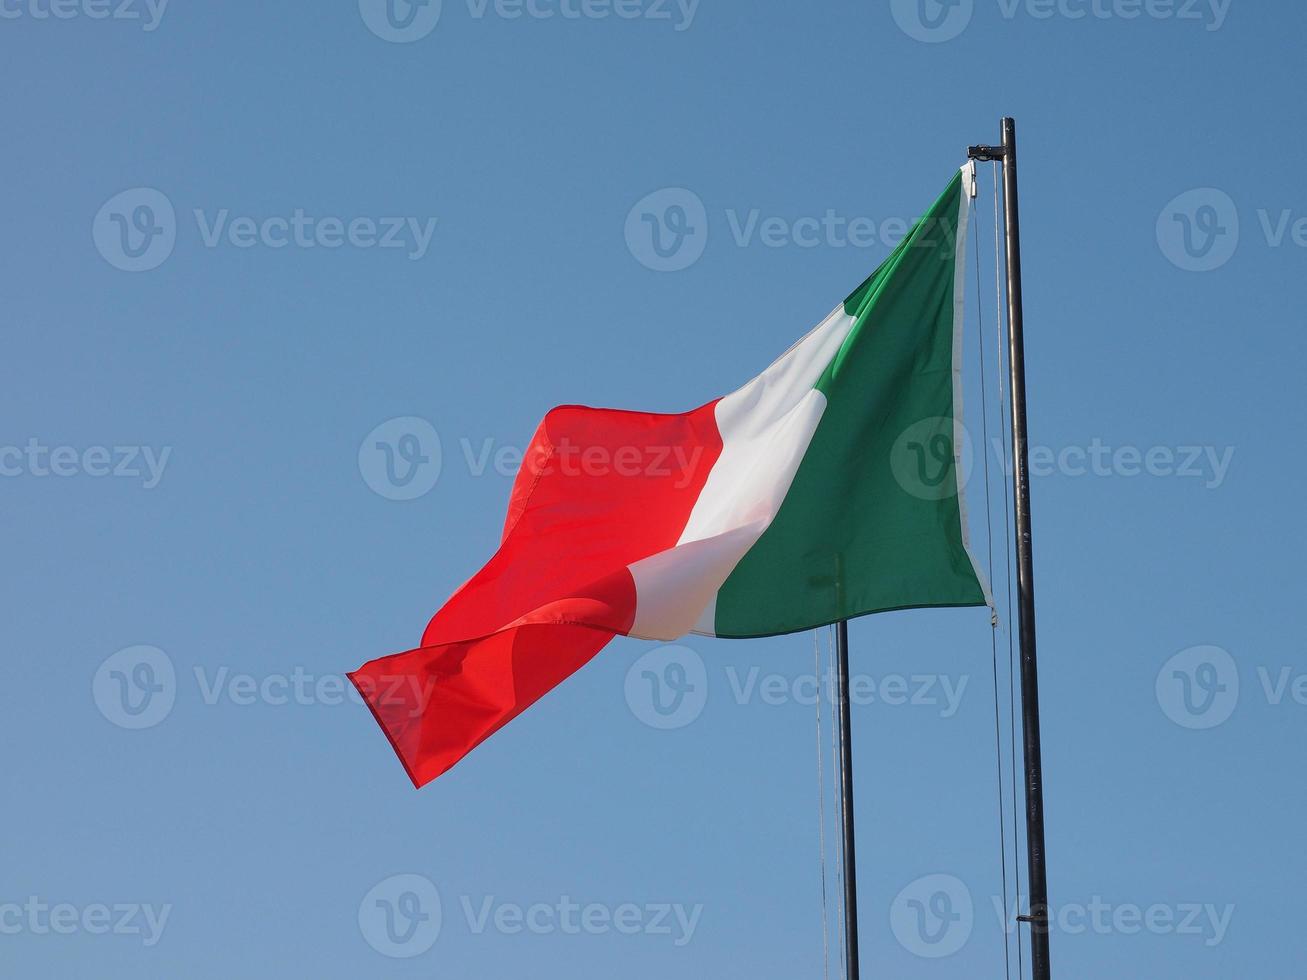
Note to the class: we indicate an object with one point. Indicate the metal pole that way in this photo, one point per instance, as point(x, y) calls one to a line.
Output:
point(1034, 771)
point(1025, 568)
point(846, 796)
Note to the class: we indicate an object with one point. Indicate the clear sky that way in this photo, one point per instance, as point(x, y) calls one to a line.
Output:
point(207, 311)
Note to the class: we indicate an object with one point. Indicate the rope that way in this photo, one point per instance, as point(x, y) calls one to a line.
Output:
point(836, 739)
point(993, 632)
point(821, 817)
point(1007, 551)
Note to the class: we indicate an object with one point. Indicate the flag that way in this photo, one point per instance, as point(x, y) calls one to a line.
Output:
point(826, 488)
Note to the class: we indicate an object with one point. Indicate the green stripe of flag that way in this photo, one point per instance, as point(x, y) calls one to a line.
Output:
point(873, 521)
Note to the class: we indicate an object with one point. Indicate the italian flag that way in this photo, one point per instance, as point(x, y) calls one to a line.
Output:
point(824, 489)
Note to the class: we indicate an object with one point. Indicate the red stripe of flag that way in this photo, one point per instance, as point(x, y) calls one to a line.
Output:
point(598, 490)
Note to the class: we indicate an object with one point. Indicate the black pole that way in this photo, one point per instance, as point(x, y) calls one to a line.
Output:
point(1035, 853)
point(846, 796)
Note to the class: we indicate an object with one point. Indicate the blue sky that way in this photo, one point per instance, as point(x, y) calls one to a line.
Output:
point(240, 238)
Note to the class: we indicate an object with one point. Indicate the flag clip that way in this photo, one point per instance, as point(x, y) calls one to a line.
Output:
point(986, 154)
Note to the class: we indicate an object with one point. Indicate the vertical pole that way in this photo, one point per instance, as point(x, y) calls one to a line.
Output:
point(846, 796)
point(1035, 854)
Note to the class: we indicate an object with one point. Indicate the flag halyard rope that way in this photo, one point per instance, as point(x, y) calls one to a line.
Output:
point(821, 815)
point(993, 633)
point(1006, 464)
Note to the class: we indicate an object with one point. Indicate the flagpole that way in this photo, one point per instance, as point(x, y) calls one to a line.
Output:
point(1035, 852)
point(846, 798)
